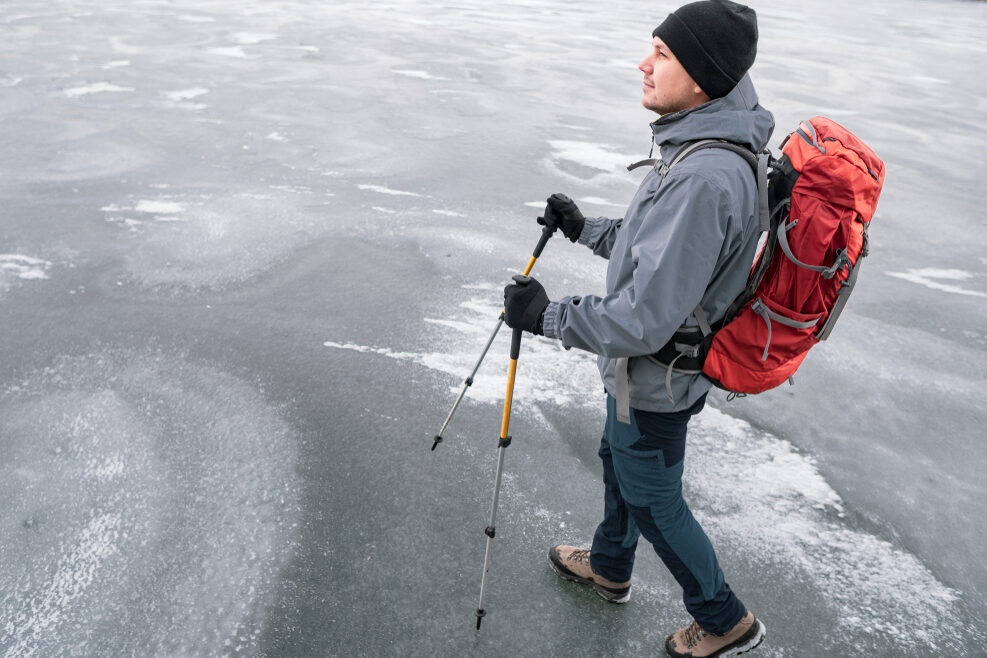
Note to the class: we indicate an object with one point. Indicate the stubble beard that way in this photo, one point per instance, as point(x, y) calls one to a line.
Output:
point(655, 107)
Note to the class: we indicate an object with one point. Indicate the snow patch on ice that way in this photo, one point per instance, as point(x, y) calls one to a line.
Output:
point(757, 489)
point(95, 88)
point(115, 64)
point(76, 570)
point(933, 278)
point(543, 362)
point(448, 213)
point(24, 267)
point(118, 470)
point(588, 154)
point(17, 267)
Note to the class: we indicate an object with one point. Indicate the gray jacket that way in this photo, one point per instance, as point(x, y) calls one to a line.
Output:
point(690, 240)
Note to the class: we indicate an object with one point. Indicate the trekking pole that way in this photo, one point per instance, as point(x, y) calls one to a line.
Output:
point(546, 233)
point(505, 440)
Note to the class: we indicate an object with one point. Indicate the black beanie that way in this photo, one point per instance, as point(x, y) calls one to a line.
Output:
point(715, 40)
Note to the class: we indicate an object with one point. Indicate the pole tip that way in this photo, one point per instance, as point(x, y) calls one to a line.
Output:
point(480, 614)
point(438, 440)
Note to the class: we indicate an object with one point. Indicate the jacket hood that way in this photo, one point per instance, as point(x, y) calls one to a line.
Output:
point(736, 117)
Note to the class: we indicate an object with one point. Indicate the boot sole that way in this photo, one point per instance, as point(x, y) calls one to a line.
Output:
point(604, 592)
point(753, 643)
point(757, 636)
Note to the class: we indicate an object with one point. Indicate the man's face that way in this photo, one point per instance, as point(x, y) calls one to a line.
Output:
point(667, 86)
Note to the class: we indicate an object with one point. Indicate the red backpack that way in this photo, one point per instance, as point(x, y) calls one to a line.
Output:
point(816, 202)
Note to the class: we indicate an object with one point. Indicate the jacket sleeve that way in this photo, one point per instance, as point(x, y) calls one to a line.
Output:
point(674, 255)
point(599, 234)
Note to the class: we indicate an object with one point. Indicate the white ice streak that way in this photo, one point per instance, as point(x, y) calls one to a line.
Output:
point(421, 75)
point(159, 207)
point(380, 189)
point(115, 64)
point(448, 213)
point(190, 18)
point(95, 88)
point(371, 350)
point(542, 362)
point(185, 94)
point(293, 189)
point(599, 201)
point(933, 278)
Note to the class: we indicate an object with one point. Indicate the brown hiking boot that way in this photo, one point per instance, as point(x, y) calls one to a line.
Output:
point(573, 564)
point(693, 642)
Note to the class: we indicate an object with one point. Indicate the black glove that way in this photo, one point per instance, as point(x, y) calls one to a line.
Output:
point(524, 304)
point(563, 213)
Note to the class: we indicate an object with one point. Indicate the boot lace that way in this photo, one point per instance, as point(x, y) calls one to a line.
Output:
point(694, 635)
point(580, 555)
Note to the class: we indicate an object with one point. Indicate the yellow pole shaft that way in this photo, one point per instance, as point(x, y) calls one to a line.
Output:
point(505, 423)
point(531, 263)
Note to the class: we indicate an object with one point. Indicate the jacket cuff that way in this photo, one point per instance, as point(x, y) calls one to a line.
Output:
point(552, 320)
point(592, 231)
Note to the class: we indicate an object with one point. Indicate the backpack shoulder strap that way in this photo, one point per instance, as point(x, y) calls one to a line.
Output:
point(759, 163)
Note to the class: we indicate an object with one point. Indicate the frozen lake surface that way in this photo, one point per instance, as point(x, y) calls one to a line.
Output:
point(248, 252)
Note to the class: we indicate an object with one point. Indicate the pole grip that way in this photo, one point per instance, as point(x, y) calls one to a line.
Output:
point(546, 233)
point(516, 344)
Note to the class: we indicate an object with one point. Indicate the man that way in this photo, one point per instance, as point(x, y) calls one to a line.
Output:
point(686, 241)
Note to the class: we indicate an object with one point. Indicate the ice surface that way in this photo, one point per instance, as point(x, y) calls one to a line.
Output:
point(149, 502)
point(203, 198)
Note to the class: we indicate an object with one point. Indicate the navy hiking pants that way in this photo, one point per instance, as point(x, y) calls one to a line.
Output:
point(642, 476)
